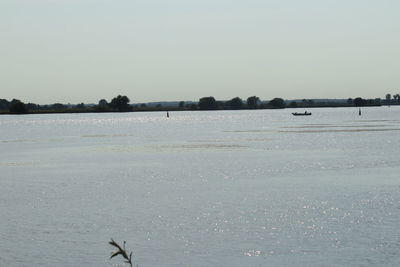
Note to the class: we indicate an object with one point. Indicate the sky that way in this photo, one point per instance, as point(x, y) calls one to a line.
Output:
point(73, 51)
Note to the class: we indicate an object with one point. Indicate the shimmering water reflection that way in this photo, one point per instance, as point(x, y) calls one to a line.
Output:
point(241, 188)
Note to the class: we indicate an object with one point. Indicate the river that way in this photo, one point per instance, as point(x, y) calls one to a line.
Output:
point(210, 188)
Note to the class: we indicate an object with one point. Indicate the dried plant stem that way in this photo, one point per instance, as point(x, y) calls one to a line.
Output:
point(121, 251)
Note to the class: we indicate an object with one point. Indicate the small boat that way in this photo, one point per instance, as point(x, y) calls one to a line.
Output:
point(302, 114)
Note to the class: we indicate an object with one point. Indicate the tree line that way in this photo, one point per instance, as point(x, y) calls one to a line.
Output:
point(121, 103)
point(392, 100)
point(16, 106)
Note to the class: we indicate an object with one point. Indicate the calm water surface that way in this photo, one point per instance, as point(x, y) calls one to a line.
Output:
point(228, 188)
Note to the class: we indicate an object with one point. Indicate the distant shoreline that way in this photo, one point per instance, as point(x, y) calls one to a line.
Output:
point(165, 109)
point(121, 104)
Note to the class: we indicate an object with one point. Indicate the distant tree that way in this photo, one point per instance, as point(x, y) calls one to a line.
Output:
point(308, 103)
point(120, 103)
point(192, 106)
point(350, 101)
point(4, 104)
point(253, 101)
point(220, 104)
point(293, 104)
point(58, 106)
point(208, 103)
point(359, 102)
point(158, 105)
point(388, 99)
point(181, 104)
point(235, 103)
point(102, 106)
point(143, 105)
point(103, 103)
point(277, 103)
point(80, 106)
point(32, 106)
point(263, 105)
point(18, 107)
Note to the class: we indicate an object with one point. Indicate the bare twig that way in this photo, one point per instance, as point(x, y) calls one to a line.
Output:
point(121, 251)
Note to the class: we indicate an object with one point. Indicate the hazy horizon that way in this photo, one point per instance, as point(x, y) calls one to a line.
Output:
point(72, 51)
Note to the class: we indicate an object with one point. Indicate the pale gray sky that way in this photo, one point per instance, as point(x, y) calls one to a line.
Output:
point(72, 51)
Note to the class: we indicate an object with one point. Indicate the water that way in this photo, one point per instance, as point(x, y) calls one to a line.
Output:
point(226, 188)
